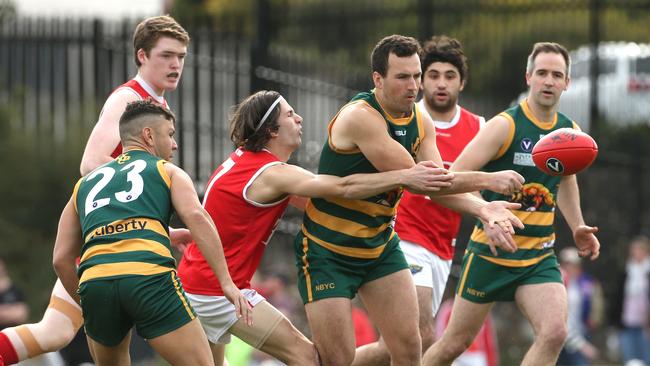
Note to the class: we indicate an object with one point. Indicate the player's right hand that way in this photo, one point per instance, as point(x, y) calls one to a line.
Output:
point(243, 308)
point(426, 177)
point(505, 182)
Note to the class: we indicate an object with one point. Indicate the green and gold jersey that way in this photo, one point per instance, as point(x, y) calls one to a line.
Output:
point(537, 197)
point(124, 209)
point(359, 228)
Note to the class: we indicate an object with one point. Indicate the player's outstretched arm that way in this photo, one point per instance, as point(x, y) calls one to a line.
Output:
point(284, 179)
point(480, 150)
point(67, 248)
point(204, 232)
point(105, 136)
point(568, 201)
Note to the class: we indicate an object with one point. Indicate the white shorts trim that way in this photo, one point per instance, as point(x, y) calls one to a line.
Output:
point(217, 314)
point(428, 270)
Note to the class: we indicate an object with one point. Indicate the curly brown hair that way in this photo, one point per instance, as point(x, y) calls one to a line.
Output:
point(444, 49)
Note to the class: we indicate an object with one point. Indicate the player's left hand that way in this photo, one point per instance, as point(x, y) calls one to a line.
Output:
point(243, 309)
point(586, 242)
point(499, 223)
point(180, 238)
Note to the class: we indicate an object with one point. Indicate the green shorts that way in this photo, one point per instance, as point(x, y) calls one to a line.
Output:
point(482, 281)
point(324, 274)
point(156, 305)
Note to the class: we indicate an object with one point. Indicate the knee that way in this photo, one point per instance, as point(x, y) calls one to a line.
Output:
point(336, 357)
point(408, 350)
point(450, 348)
point(304, 356)
point(554, 336)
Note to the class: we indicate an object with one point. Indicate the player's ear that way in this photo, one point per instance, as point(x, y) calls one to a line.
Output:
point(147, 136)
point(377, 79)
point(142, 55)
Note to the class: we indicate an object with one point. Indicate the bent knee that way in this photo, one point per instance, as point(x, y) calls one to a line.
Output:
point(427, 335)
point(554, 336)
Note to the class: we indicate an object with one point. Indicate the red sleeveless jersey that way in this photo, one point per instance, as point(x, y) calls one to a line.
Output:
point(135, 86)
point(244, 226)
point(422, 221)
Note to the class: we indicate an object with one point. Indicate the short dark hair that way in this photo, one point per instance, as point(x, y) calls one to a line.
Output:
point(444, 49)
point(141, 110)
point(244, 131)
point(150, 30)
point(401, 46)
point(548, 47)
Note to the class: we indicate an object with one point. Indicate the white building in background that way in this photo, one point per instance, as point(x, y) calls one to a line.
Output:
point(106, 9)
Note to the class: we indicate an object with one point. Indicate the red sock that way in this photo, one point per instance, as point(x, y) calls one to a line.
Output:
point(8, 355)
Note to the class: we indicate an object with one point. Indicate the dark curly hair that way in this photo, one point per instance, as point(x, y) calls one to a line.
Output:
point(444, 49)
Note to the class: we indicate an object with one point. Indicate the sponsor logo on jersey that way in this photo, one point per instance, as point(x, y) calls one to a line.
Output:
point(400, 132)
point(122, 158)
point(526, 144)
point(524, 159)
point(120, 227)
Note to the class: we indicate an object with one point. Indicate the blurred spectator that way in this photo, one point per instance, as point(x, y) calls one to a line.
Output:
point(631, 305)
point(13, 310)
point(585, 310)
point(484, 350)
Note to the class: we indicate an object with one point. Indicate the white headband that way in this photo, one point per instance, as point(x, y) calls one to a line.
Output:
point(268, 111)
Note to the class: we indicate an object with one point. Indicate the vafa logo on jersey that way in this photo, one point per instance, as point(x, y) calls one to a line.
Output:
point(526, 144)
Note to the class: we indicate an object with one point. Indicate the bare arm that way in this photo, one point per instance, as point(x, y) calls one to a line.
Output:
point(283, 179)
point(204, 233)
point(469, 180)
point(67, 248)
point(568, 201)
point(105, 136)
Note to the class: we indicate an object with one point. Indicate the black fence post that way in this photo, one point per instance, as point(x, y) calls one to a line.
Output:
point(99, 63)
point(594, 39)
point(260, 44)
point(425, 21)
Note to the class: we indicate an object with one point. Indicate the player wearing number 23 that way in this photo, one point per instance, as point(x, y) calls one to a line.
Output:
point(118, 218)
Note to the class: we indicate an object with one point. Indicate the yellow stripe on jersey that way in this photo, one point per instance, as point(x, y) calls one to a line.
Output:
point(305, 269)
point(74, 194)
point(122, 268)
point(535, 217)
point(163, 172)
point(515, 262)
point(523, 242)
point(355, 150)
point(401, 121)
point(128, 245)
point(465, 272)
point(509, 138)
point(365, 207)
point(177, 287)
point(122, 226)
point(363, 253)
point(341, 225)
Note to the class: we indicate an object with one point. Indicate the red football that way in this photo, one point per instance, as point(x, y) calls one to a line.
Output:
point(564, 151)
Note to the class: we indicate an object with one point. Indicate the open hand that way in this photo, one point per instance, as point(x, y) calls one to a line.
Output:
point(499, 223)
